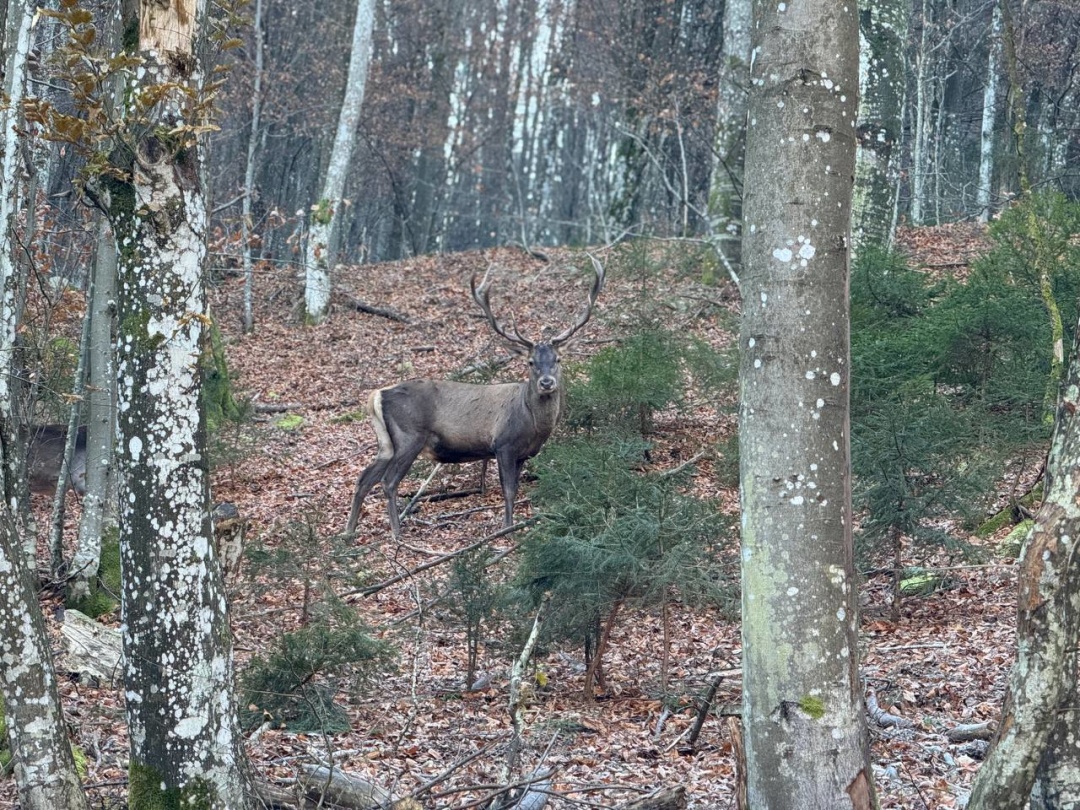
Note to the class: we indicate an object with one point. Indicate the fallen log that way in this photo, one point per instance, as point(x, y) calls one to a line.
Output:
point(971, 731)
point(661, 799)
point(334, 786)
point(91, 649)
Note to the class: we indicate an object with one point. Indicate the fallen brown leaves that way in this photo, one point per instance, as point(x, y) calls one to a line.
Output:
point(945, 662)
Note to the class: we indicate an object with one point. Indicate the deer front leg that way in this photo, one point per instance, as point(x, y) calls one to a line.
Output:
point(509, 475)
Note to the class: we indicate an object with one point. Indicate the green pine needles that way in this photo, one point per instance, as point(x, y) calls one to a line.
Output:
point(612, 533)
point(952, 377)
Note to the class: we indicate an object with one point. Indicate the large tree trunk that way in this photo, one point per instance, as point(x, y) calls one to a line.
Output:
point(185, 742)
point(1046, 627)
point(882, 88)
point(802, 703)
point(326, 215)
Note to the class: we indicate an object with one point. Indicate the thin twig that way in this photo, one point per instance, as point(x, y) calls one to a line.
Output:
point(373, 589)
point(408, 508)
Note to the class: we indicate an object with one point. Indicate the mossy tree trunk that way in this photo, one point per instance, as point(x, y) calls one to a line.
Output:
point(802, 700)
point(185, 742)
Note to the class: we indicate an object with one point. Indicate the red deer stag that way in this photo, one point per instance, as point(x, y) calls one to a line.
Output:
point(453, 422)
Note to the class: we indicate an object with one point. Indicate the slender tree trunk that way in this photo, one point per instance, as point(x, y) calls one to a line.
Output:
point(923, 103)
point(989, 116)
point(883, 34)
point(59, 508)
point(802, 702)
point(185, 741)
point(725, 194)
point(325, 217)
point(249, 169)
point(98, 514)
point(1017, 96)
point(1046, 631)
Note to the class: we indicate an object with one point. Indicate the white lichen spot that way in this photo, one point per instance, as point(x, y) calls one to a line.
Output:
point(834, 378)
point(782, 254)
point(797, 500)
point(807, 250)
point(757, 362)
point(751, 343)
point(813, 468)
point(764, 298)
point(820, 404)
point(792, 591)
point(806, 137)
point(810, 375)
point(841, 613)
point(782, 7)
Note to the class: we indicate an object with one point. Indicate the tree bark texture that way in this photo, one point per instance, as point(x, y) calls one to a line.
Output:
point(327, 213)
point(805, 732)
point(44, 767)
point(1046, 631)
point(883, 31)
point(185, 742)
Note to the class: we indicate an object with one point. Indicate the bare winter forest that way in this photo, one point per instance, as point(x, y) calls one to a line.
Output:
point(795, 286)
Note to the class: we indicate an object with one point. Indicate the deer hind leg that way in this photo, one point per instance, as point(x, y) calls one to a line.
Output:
point(376, 471)
point(396, 469)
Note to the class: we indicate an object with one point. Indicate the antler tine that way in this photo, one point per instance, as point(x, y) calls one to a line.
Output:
point(481, 295)
point(583, 318)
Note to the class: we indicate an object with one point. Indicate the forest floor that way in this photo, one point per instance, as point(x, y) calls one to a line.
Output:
point(941, 660)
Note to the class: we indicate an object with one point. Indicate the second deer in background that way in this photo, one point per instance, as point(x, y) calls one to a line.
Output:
point(452, 422)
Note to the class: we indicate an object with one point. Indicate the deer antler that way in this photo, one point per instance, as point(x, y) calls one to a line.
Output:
point(481, 295)
point(583, 318)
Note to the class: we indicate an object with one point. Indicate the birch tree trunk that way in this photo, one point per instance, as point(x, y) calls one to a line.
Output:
point(989, 114)
point(249, 169)
point(802, 703)
point(178, 668)
point(326, 213)
point(883, 34)
point(44, 767)
point(1046, 628)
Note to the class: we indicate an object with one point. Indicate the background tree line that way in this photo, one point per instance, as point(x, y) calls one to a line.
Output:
point(555, 122)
